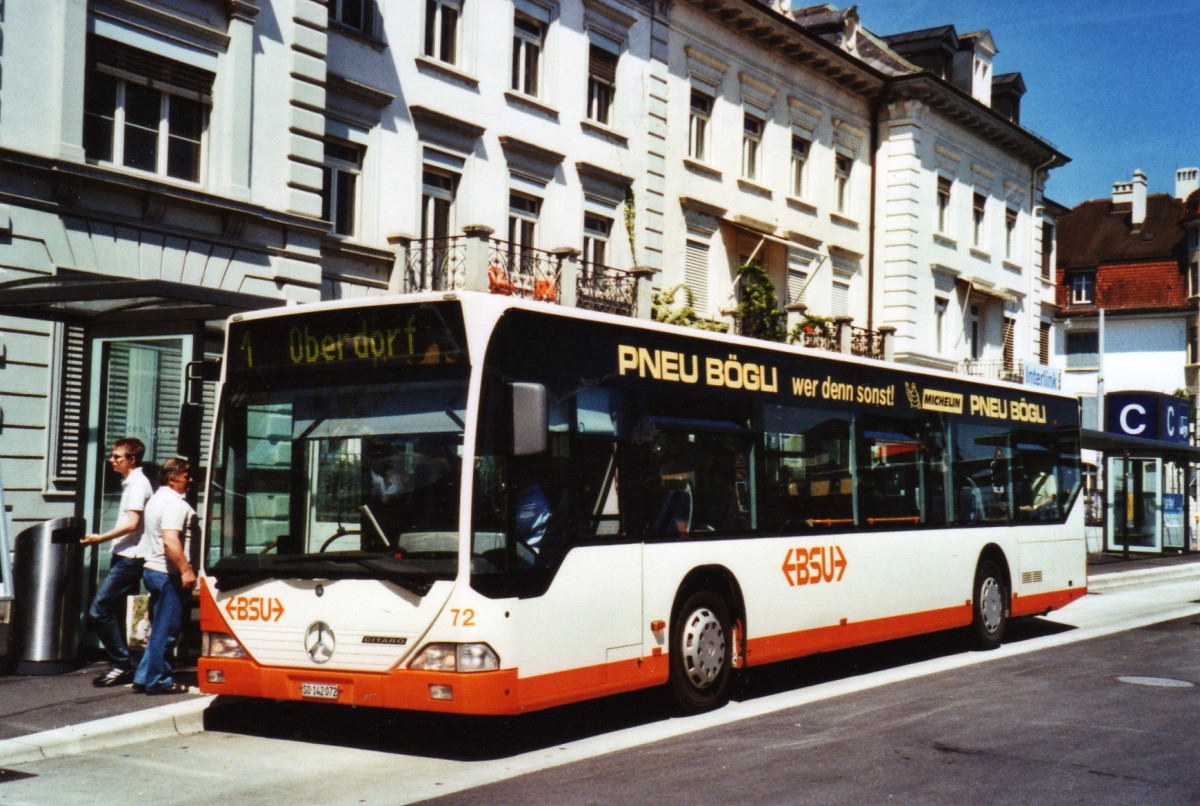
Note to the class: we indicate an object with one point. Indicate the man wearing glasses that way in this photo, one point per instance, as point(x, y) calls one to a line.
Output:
point(106, 615)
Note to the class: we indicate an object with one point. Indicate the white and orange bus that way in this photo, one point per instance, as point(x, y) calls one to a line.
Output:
point(473, 504)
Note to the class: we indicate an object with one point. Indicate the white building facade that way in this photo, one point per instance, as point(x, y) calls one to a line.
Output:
point(180, 160)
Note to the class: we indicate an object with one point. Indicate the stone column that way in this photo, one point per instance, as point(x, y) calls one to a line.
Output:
point(478, 253)
point(887, 334)
point(568, 275)
point(845, 335)
point(644, 276)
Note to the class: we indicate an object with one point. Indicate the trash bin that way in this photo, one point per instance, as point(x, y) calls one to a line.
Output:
point(47, 580)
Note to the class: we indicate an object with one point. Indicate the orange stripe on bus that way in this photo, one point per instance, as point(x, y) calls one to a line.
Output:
point(786, 646)
point(1040, 603)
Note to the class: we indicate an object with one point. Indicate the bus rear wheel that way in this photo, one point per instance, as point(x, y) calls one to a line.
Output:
point(989, 605)
point(701, 652)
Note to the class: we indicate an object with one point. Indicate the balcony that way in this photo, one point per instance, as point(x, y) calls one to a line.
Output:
point(841, 336)
point(476, 261)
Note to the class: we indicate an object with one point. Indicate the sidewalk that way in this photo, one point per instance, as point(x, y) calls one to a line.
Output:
point(44, 716)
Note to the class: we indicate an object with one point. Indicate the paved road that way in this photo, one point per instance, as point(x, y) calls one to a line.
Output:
point(1043, 719)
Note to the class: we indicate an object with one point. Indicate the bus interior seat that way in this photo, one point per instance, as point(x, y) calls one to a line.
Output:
point(675, 513)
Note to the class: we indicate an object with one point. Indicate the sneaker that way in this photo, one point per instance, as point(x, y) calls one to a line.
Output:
point(114, 677)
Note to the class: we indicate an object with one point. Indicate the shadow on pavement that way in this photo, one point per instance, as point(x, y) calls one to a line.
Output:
point(462, 738)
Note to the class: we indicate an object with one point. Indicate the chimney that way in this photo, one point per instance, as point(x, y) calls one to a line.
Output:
point(1132, 193)
point(1187, 182)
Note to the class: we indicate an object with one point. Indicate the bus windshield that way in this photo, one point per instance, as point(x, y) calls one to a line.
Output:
point(322, 481)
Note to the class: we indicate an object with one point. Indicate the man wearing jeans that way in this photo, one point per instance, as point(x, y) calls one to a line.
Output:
point(125, 569)
point(168, 575)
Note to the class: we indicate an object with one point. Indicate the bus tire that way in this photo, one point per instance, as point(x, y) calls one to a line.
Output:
point(701, 652)
point(989, 605)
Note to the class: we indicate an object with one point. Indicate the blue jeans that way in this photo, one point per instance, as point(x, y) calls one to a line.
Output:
point(107, 613)
point(166, 622)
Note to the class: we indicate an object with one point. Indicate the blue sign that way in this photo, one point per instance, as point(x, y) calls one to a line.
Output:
point(1147, 415)
point(1041, 375)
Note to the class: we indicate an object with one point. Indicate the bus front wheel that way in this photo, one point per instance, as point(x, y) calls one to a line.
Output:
point(701, 652)
point(990, 606)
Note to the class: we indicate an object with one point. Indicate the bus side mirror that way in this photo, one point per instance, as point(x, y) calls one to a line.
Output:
point(530, 418)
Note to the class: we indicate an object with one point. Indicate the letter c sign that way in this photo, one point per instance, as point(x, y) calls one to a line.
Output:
point(1130, 428)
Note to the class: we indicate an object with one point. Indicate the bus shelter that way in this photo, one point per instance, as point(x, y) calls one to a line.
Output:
point(1149, 483)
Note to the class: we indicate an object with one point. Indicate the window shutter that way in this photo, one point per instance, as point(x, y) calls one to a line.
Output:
point(840, 300)
point(134, 64)
point(69, 450)
point(602, 65)
point(1009, 336)
point(1044, 343)
point(695, 274)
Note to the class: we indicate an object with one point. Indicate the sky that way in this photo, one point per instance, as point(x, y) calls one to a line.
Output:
point(1113, 84)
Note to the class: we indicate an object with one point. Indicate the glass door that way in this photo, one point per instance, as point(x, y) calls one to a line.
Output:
point(1134, 504)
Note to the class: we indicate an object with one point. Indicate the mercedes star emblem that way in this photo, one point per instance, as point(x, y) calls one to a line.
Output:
point(319, 642)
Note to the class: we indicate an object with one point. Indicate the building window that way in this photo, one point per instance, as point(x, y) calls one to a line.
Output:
point(602, 84)
point(1083, 288)
point(339, 194)
point(1008, 337)
point(1194, 277)
point(752, 130)
point(596, 230)
point(978, 208)
point(441, 29)
point(1010, 233)
point(699, 117)
point(1044, 343)
point(798, 264)
point(1047, 250)
point(144, 112)
point(939, 323)
point(800, 147)
point(438, 191)
point(523, 212)
point(943, 204)
point(1193, 356)
point(973, 334)
point(1083, 350)
point(841, 182)
point(528, 42)
point(357, 15)
point(839, 301)
point(695, 274)
point(436, 251)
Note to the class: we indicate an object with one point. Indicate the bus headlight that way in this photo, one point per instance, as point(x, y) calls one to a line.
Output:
point(456, 658)
point(220, 645)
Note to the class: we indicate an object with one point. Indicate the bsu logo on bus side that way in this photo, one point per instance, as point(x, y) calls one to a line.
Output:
point(814, 565)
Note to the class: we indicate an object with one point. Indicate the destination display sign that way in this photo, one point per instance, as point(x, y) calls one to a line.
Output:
point(375, 336)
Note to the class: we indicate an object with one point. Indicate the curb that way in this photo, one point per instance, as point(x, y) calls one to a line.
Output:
point(175, 719)
point(1149, 576)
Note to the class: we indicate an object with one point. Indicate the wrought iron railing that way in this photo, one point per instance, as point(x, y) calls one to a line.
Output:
point(993, 370)
point(603, 288)
point(522, 271)
point(436, 264)
point(866, 343)
point(821, 336)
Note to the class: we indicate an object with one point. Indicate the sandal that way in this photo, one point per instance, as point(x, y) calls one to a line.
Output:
point(174, 688)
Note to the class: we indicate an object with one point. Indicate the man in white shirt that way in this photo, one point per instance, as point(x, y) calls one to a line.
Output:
point(107, 612)
point(167, 575)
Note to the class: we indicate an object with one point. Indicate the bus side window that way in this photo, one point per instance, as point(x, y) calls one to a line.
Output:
point(808, 476)
point(980, 474)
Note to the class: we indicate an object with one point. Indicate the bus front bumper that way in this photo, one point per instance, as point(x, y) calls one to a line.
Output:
point(488, 693)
